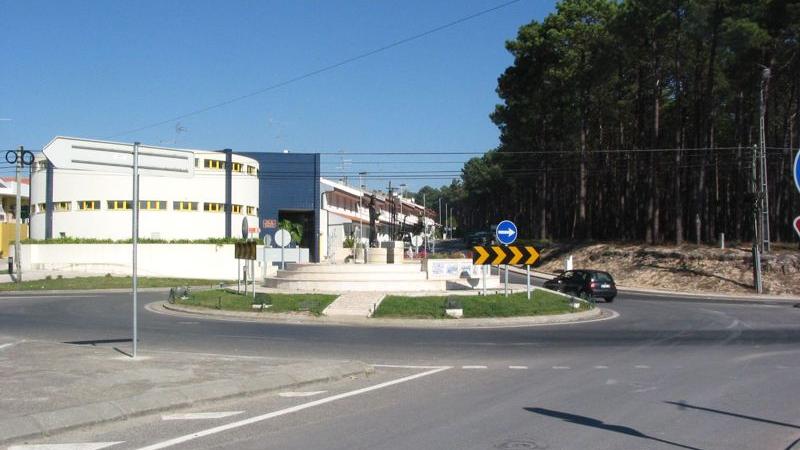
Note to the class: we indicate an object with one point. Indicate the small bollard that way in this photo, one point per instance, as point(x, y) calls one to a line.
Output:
point(10, 265)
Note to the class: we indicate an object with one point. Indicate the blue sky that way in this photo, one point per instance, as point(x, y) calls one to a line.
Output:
point(98, 68)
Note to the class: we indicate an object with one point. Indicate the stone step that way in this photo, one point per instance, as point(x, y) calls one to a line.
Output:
point(355, 268)
point(359, 304)
point(358, 276)
point(357, 285)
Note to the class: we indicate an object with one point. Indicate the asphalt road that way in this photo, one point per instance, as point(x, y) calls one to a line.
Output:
point(664, 374)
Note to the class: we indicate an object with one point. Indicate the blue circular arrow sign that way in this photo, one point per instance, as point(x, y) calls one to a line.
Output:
point(797, 171)
point(506, 232)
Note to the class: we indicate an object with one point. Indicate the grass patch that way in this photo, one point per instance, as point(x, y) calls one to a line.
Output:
point(105, 282)
point(231, 301)
point(541, 303)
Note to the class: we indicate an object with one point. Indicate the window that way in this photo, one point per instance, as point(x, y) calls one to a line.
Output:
point(119, 205)
point(213, 164)
point(197, 162)
point(184, 206)
point(251, 170)
point(237, 167)
point(251, 210)
point(63, 206)
point(214, 207)
point(152, 205)
point(88, 205)
point(236, 209)
point(41, 207)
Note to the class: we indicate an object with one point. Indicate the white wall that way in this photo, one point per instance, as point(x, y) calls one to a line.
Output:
point(207, 185)
point(209, 261)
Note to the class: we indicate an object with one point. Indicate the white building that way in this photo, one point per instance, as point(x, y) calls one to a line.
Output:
point(211, 203)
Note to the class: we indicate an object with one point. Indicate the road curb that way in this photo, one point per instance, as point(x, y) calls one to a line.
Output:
point(488, 323)
point(46, 423)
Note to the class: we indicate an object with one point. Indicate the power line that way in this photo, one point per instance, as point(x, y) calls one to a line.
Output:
point(321, 70)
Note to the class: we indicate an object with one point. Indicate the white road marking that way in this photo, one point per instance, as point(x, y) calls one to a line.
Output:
point(256, 419)
point(301, 394)
point(518, 367)
point(200, 416)
point(473, 367)
point(561, 367)
point(611, 381)
point(601, 367)
point(9, 344)
point(400, 366)
point(81, 446)
point(648, 389)
point(642, 366)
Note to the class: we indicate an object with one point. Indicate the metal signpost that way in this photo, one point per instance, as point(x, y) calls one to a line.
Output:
point(19, 158)
point(128, 159)
point(512, 254)
point(506, 234)
point(283, 238)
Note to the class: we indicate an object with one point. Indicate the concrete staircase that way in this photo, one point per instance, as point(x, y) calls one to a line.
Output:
point(355, 278)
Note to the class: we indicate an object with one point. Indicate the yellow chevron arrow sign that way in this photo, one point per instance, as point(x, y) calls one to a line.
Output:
point(497, 255)
point(517, 255)
point(481, 257)
point(533, 255)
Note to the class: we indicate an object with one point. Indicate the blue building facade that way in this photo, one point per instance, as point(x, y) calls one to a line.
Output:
point(289, 189)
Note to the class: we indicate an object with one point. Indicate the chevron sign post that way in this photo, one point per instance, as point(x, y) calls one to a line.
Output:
point(496, 255)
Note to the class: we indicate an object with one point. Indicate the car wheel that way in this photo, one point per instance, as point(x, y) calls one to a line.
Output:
point(609, 299)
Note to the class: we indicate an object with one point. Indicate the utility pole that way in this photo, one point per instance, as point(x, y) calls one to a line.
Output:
point(757, 223)
point(18, 214)
point(763, 194)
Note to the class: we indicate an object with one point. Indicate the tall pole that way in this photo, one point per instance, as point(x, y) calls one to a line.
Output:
point(756, 224)
point(135, 233)
point(18, 214)
point(764, 196)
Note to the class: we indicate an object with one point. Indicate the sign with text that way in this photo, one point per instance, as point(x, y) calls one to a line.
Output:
point(500, 254)
point(269, 223)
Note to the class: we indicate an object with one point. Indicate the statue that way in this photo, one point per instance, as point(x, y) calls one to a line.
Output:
point(373, 219)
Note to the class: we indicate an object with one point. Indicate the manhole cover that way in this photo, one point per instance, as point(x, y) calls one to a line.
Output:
point(520, 443)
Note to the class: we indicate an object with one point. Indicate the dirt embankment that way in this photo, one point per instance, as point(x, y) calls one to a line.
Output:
point(682, 268)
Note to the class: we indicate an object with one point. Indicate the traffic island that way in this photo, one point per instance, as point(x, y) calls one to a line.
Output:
point(542, 303)
point(227, 300)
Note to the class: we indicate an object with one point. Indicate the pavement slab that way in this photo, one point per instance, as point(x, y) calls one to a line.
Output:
point(49, 387)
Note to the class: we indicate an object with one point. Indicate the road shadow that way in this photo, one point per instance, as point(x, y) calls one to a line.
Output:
point(683, 405)
point(599, 424)
point(99, 341)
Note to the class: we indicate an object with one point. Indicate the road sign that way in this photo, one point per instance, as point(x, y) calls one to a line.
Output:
point(282, 238)
point(116, 157)
point(269, 223)
point(500, 254)
point(245, 228)
point(506, 232)
point(416, 240)
point(245, 250)
point(796, 171)
point(797, 225)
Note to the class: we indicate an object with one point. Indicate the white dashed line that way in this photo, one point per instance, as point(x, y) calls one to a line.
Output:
point(601, 367)
point(642, 366)
point(473, 367)
point(561, 367)
point(301, 394)
point(81, 446)
point(517, 367)
point(200, 416)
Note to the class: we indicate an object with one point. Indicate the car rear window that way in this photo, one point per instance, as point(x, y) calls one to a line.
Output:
point(603, 277)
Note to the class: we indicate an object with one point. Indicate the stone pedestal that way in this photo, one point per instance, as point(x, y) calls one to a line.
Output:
point(394, 252)
point(376, 255)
